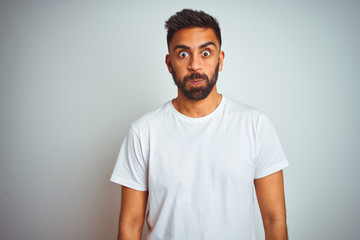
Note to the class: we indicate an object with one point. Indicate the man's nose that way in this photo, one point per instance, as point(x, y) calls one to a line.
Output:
point(194, 64)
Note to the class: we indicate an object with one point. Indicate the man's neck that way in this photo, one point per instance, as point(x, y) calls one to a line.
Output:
point(197, 108)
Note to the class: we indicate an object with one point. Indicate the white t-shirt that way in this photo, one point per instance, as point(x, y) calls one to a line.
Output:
point(199, 171)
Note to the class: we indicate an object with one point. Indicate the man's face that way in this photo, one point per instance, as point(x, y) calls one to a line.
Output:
point(194, 61)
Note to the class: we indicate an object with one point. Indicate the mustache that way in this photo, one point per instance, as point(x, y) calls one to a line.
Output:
point(196, 76)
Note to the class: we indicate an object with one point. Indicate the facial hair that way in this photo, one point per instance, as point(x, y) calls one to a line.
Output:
point(196, 93)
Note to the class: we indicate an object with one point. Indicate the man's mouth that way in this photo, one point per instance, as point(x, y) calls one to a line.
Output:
point(196, 81)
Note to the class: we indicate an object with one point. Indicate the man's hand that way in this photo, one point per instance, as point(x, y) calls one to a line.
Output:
point(271, 199)
point(132, 213)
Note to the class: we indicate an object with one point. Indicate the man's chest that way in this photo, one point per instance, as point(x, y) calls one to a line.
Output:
point(201, 157)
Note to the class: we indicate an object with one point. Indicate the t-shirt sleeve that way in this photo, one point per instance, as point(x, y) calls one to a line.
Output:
point(131, 168)
point(270, 155)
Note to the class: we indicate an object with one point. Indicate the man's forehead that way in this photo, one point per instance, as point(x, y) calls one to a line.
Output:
point(194, 37)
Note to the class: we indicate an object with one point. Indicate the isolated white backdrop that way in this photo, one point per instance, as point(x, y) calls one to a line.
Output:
point(75, 74)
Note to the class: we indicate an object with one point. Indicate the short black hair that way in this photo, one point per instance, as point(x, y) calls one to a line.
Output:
point(188, 18)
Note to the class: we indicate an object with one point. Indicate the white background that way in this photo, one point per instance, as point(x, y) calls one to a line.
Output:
point(75, 74)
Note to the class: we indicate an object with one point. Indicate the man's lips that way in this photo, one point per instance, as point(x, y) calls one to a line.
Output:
point(196, 81)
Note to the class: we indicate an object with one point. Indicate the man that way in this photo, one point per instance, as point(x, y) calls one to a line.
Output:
point(197, 158)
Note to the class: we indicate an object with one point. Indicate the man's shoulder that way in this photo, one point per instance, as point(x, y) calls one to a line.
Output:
point(238, 108)
point(150, 118)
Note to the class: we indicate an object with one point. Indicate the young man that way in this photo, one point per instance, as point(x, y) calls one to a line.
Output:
point(197, 158)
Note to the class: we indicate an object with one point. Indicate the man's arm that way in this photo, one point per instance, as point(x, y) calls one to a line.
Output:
point(132, 213)
point(271, 199)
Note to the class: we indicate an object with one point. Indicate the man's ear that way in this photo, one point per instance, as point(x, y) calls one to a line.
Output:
point(168, 62)
point(221, 60)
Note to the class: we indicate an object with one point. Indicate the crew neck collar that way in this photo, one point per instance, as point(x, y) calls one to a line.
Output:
point(199, 119)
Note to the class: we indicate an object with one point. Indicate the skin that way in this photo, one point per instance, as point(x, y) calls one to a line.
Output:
point(188, 53)
point(190, 41)
point(271, 199)
point(132, 213)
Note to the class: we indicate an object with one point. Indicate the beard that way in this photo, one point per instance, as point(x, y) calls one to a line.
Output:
point(196, 93)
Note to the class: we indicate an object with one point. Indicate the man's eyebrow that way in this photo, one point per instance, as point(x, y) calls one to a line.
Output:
point(181, 46)
point(207, 44)
point(201, 46)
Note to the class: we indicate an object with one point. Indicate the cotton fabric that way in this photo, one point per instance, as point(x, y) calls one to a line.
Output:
point(199, 172)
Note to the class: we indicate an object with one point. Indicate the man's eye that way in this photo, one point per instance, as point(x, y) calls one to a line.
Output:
point(205, 53)
point(183, 54)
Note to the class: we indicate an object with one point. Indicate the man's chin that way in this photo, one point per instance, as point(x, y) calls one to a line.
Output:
point(196, 90)
point(197, 97)
point(197, 94)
